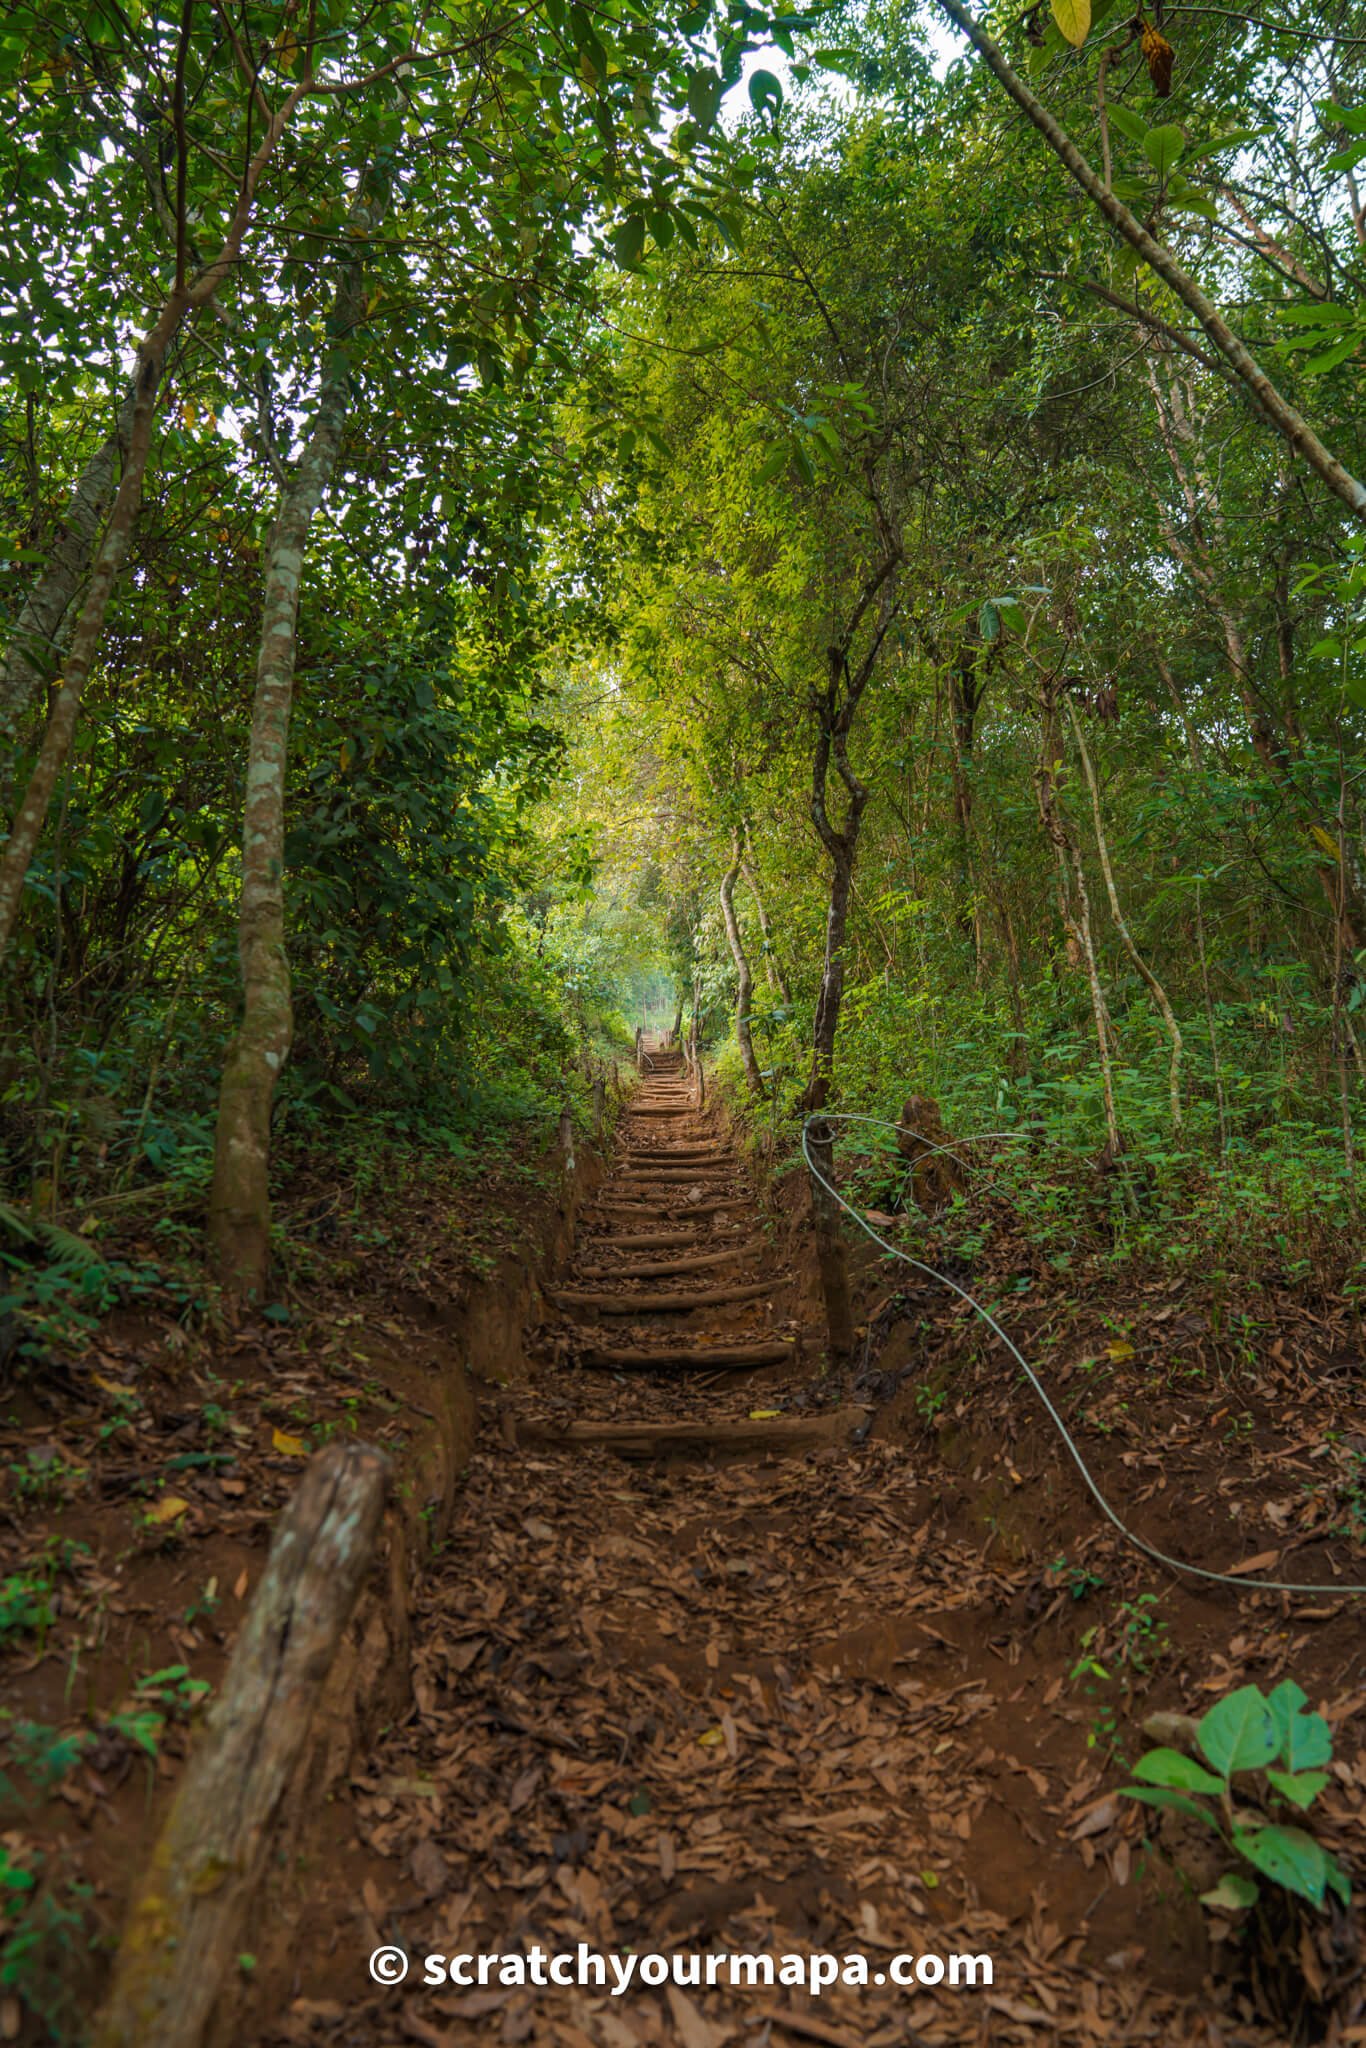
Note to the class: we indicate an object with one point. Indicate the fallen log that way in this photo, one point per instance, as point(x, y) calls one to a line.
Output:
point(782, 1433)
point(184, 1930)
point(665, 1269)
point(687, 1358)
point(661, 1304)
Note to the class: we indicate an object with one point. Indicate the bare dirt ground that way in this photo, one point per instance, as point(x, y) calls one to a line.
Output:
point(721, 1656)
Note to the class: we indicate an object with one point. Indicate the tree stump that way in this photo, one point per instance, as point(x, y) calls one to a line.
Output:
point(935, 1175)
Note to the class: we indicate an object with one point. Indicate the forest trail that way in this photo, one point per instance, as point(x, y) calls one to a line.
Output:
point(765, 1699)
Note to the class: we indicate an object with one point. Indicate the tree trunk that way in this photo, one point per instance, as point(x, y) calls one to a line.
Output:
point(1076, 921)
point(183, 301)
point(831, 1261)
point(33, 655)
point(239, 1203)
point(185, 1928)
point(1155, 988)
point(773, 966)
point(744, 981)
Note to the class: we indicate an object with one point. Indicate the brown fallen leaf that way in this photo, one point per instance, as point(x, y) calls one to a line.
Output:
point(1097, 1819)
point(429, 1869)
point(1261, 1563)
point(693, 2030)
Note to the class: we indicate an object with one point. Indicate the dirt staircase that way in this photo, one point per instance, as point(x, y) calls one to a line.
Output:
point(700, 1669)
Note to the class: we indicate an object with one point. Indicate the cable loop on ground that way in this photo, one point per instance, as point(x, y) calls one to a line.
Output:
point(1174, 1564)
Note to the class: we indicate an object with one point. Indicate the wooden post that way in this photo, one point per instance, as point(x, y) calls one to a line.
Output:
point(567, 1139)
point(184, 1930)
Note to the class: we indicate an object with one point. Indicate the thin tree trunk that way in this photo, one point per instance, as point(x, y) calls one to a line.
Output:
point(1209, 1019)
point(1077, 921)
point(964, 696)
point(34, 651)
point(239, 1203)
point(842, 847)
point(744, 980)
point(1155, 988)
point(773, 966)
point(183, 301)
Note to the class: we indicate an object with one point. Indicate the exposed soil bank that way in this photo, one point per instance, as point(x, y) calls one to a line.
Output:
point(171, 1455)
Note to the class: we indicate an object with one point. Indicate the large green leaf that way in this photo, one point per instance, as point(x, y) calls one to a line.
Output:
point(1176, 1802)
point(1304, 1740)
point(1288, 1856)
point(1302, 1788)
point(765, 91)
point(628, 241)
point(1127, 122)
point(1239, 1733)
point(1170, 1767)
point(1163, 148)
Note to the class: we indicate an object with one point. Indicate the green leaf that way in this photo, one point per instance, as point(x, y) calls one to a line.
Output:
point(1325, 314)
point(1304, 1741)
point(1163, 147)
point(1289, 1857)
point(1314, 366)
point(845, 61)
point(771, 465)
point(764, 91)
point(1074, 20)
point(1232, 1893)
point(1239, 1733)
point(1170, 1767)
point(704, 98)
point(628, 241)
point(1235, 139)
point(989, 623)
point(1351, 118)
point(1176, 1802)
point(1012, 615)
point(1302, 1788)
point(1346, 159)
point(1127, 122)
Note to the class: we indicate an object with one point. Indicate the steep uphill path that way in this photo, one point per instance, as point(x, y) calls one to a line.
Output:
point(701, 1671)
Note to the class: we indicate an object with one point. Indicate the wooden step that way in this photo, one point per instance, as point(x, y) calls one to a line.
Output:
point(665, 1209)
point(782, 1434)
point(665, 1269)
point(688, 1358)
point(605, 1304)
point(650, 1241)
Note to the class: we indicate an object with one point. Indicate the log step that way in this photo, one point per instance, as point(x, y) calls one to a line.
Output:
point(665, 1269)
point(672, 1156)
point(666, 1210)
point(660, 1304)
point(687, 1358)
point(656, 1240)
point(784, 1434)
point(674, 1177)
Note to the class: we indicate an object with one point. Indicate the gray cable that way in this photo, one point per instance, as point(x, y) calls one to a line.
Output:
point(1175, 1564)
